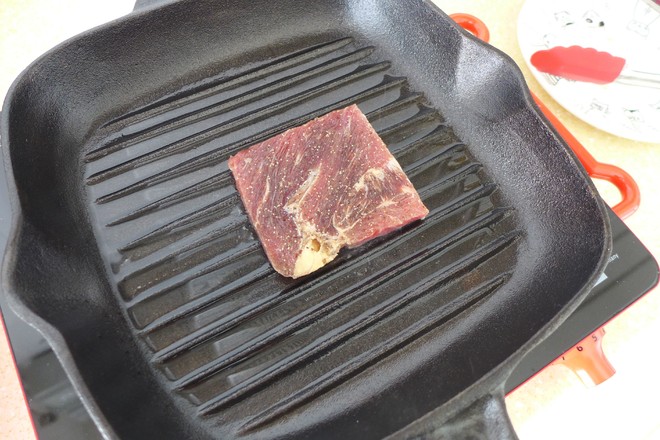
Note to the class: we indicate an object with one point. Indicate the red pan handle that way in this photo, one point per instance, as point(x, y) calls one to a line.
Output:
point(473, 25)
point(630, 197)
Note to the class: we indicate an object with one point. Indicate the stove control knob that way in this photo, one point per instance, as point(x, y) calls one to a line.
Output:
point(588, 360)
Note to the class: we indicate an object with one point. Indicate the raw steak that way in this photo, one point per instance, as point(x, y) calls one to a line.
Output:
point(316, 188)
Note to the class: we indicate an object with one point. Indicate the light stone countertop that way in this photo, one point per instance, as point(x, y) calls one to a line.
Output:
point(554, 403)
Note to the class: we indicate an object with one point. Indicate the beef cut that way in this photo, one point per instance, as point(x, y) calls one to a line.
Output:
point(319, 187)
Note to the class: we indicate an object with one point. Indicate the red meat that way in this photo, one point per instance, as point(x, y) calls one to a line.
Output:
point(319, 187)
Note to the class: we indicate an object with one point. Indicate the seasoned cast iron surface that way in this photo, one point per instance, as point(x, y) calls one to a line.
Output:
point(242, 343)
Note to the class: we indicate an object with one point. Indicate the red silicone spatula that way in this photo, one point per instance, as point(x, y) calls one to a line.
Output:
point(589, 65)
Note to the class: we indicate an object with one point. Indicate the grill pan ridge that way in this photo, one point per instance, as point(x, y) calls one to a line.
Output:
point(223, 326)
point(172, 322)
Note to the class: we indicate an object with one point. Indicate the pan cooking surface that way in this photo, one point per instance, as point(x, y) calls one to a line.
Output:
point(246, 346)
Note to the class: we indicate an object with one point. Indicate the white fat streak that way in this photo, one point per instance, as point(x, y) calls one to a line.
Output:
point(295, 201)
point(266, 191)
point(393, 165)
point(263, 202)
point(311, 259)
point(342, 230)
point(315, 255)
point(385, 203)
point(408, 190)
point(360, 185)
point(308, 261)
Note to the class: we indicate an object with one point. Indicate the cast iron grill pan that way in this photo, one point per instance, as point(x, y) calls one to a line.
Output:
point(223, 325)
point(388, 331)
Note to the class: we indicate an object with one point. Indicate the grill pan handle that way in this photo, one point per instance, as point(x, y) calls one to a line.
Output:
point(485, 418)
point(630, 196)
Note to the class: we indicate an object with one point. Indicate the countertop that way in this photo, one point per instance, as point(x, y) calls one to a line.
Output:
point(552, 404)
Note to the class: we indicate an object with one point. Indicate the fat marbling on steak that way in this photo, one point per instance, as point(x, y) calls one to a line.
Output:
point(319, 187)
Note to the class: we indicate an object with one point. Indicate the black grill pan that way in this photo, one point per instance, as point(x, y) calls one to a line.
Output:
point(132, 253)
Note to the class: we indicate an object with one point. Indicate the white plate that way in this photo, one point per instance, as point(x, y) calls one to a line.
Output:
point(626, 28)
